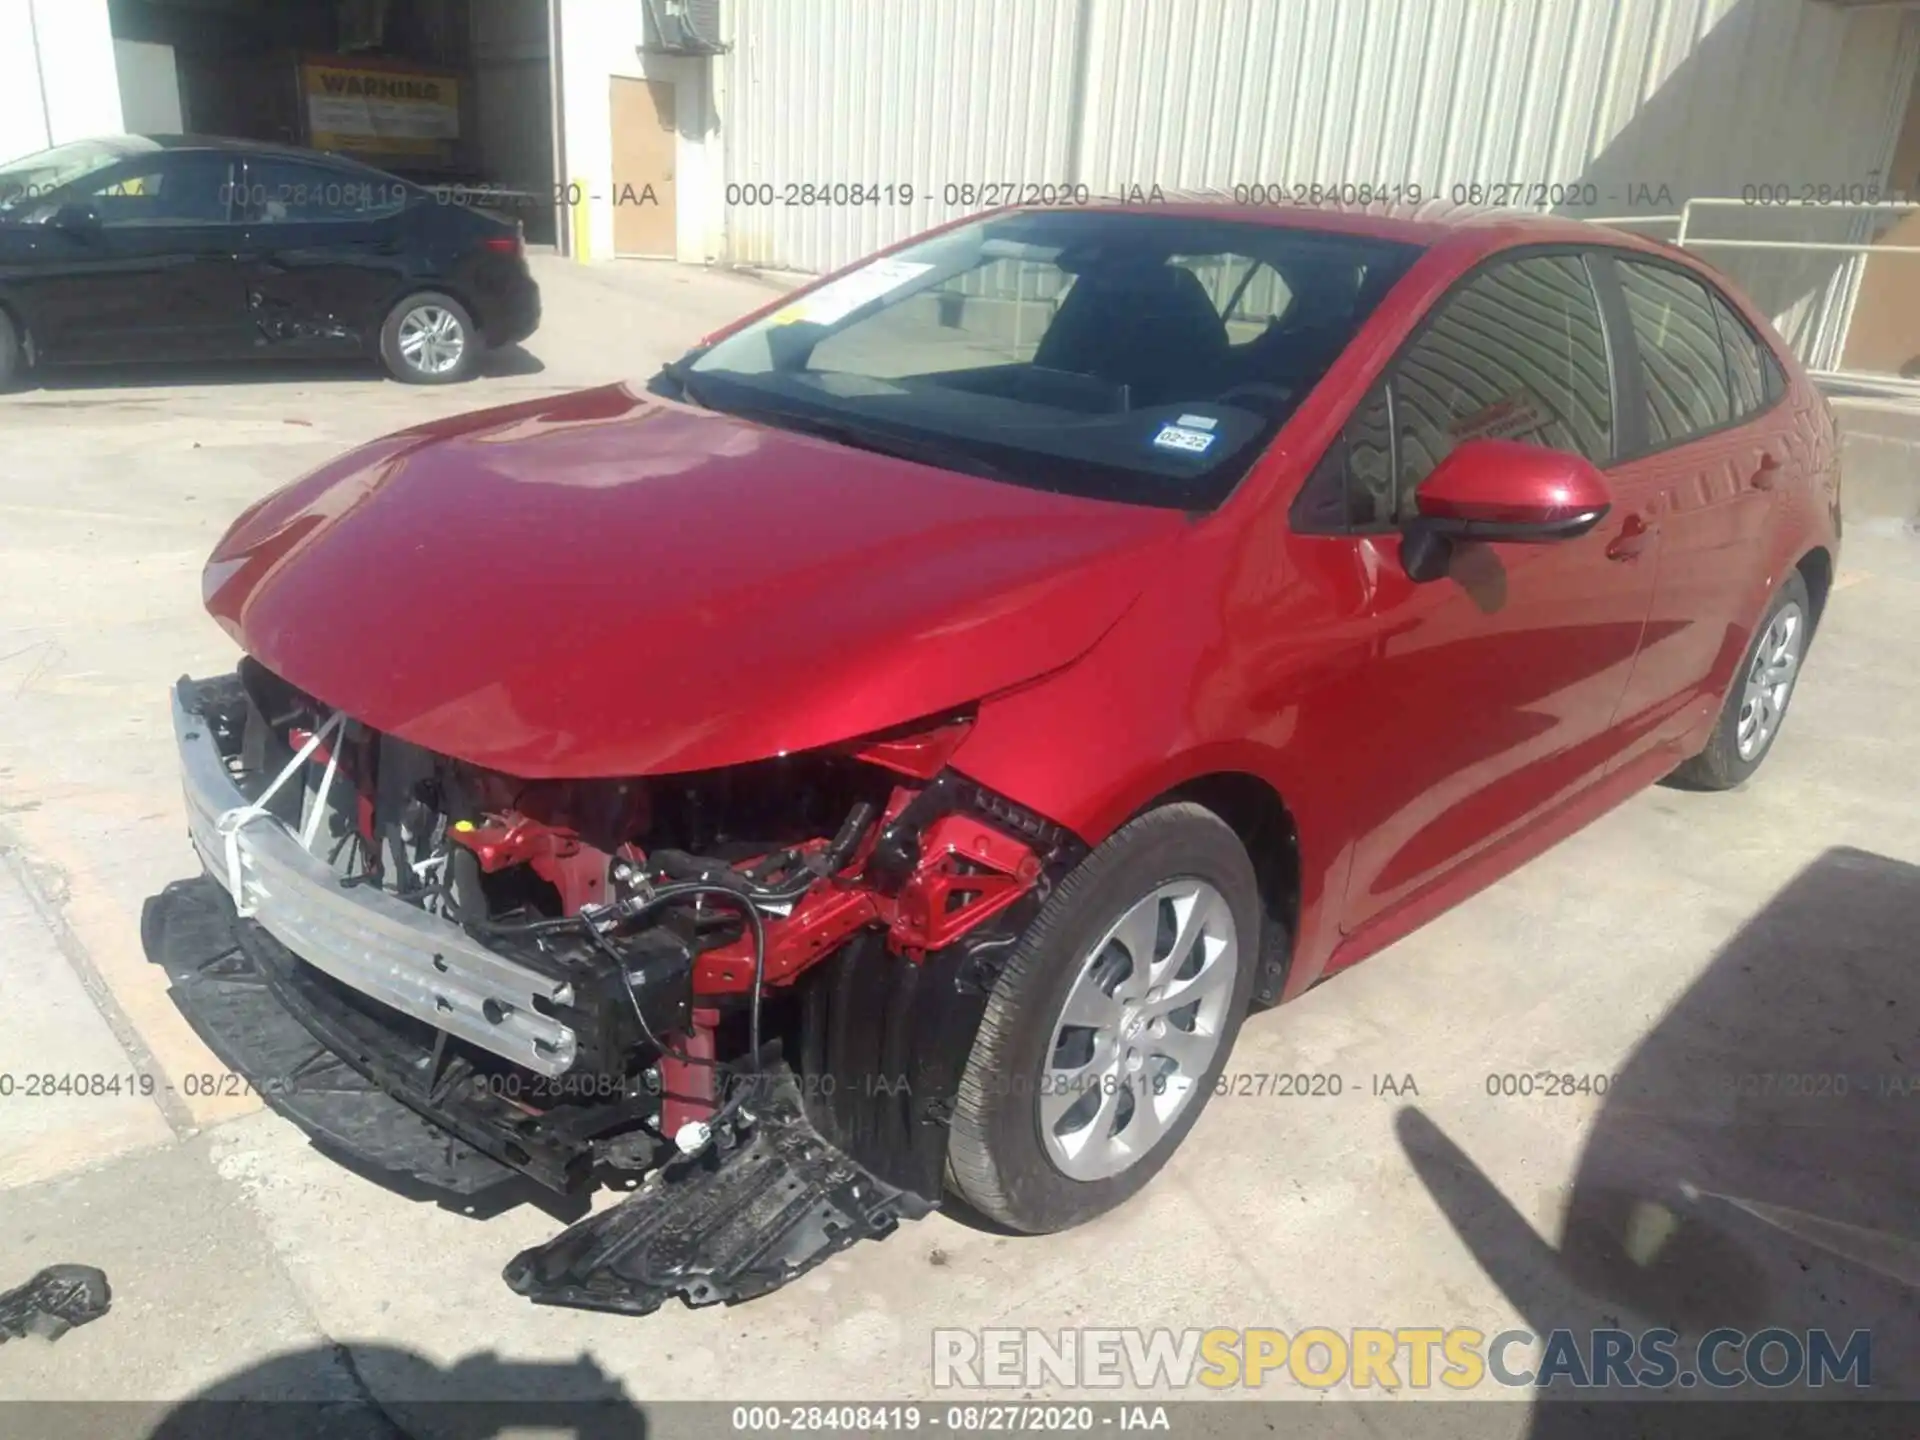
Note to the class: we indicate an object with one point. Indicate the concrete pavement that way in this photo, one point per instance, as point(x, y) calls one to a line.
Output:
point(230, 1241)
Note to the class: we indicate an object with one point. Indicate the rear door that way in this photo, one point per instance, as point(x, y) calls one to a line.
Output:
point(323, 255)
point(1702, 471)
point(157, 279)
point(1490, 693)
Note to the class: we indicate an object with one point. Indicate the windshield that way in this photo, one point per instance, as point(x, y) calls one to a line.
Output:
point(34, 177)
point(1120, 355)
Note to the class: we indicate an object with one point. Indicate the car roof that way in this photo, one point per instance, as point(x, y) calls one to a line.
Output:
point(254, 147)
point(1426, 223)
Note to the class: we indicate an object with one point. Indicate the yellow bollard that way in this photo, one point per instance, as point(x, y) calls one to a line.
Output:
point(582, 221)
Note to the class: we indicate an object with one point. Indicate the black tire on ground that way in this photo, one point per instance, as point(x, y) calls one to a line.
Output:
point(1720, 766)
point(395, 358)
point(13, 358)
point(997, 1160)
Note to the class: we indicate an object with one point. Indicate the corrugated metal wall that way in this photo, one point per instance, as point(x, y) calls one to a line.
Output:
point(1697, 94)
point(911, 94)
point(1614, 98)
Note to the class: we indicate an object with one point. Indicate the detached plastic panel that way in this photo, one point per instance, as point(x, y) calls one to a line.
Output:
point(721, 1226)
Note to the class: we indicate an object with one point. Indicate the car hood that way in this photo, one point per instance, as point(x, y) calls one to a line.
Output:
point(605, 583)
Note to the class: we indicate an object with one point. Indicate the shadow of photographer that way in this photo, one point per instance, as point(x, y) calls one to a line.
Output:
point(1756, 1161)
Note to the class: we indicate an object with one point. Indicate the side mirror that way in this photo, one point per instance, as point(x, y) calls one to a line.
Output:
point(77, 217)
point(1500, 490)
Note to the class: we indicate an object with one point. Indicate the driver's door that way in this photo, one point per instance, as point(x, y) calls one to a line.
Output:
point(1490, 694)
point(156, 278)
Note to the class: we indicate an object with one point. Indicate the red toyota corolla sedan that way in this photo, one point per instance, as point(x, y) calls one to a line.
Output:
point(886, 761)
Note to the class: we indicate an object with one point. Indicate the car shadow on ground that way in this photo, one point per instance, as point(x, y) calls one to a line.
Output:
point(504, 363)
point(380, 1392)
point(1755, 1163)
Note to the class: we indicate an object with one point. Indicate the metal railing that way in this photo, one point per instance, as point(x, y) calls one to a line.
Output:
point(1852, 248)
point(1829, 340)
point(1683, 224)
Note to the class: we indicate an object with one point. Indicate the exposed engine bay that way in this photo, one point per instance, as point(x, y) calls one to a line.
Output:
point(681, 976)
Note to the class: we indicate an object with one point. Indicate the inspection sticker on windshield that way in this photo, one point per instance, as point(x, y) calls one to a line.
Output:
point(1183, 437)
point(838, 299)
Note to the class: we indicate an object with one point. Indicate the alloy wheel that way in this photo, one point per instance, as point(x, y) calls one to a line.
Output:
point(1139, 1030)
point(432, 340)
point(1776, 665)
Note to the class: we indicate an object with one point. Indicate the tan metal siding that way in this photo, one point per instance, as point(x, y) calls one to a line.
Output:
point(843, 91)
point(1623, 96)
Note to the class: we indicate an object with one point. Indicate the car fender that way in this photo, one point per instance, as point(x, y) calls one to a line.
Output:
point(1163, 700)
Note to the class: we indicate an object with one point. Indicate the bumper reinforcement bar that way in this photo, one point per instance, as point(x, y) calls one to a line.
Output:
point(413, 962)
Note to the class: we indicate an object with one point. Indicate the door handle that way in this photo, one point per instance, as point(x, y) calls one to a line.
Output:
point(1632, 539)
point(1765, 475)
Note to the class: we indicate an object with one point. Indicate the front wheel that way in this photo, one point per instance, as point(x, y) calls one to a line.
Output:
point(1756, 705)
point(430, 339)
point(1110, 1025)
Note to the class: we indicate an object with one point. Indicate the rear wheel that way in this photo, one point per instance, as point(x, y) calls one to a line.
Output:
point(1110, 1024)
point(429, 339)
point(1756, 705)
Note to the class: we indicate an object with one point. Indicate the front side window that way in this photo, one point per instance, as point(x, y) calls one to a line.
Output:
point(1122, 355)
point(190, 188)
point(1678, 341)
point(1518, 353)
point(27, 183)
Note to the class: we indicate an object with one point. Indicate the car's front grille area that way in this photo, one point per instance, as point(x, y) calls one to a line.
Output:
point(381, 945)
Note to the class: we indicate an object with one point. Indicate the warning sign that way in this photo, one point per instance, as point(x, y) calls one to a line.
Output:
point(383, 110)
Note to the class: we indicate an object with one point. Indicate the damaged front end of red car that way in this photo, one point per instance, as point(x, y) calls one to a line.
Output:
point(590, 805)
point(752, 988)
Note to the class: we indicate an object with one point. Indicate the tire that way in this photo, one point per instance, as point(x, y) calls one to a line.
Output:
point(1000, 1158)
point(13, 358)
point(1743, 739)
point(447, 322)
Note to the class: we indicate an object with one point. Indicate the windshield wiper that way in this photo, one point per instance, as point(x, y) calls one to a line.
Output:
point(679, 375)
point(882, 442)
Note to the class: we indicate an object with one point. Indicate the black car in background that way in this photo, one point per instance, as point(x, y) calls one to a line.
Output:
point(172, 247)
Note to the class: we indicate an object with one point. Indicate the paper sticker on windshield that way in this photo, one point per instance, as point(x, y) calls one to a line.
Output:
point(1183, 437)
point(1197, 422)
point(838, 299)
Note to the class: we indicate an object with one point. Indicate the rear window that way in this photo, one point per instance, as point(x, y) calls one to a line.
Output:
point(1752, 372)
point(33, 178)
point(1678, 338)
point(1122, 355)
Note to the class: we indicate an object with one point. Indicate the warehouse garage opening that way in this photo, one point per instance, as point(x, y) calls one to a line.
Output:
point(453, 93)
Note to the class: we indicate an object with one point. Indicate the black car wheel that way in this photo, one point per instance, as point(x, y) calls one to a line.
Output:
point(1756, 704)
point(429, 339)
point(1110, 1024)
